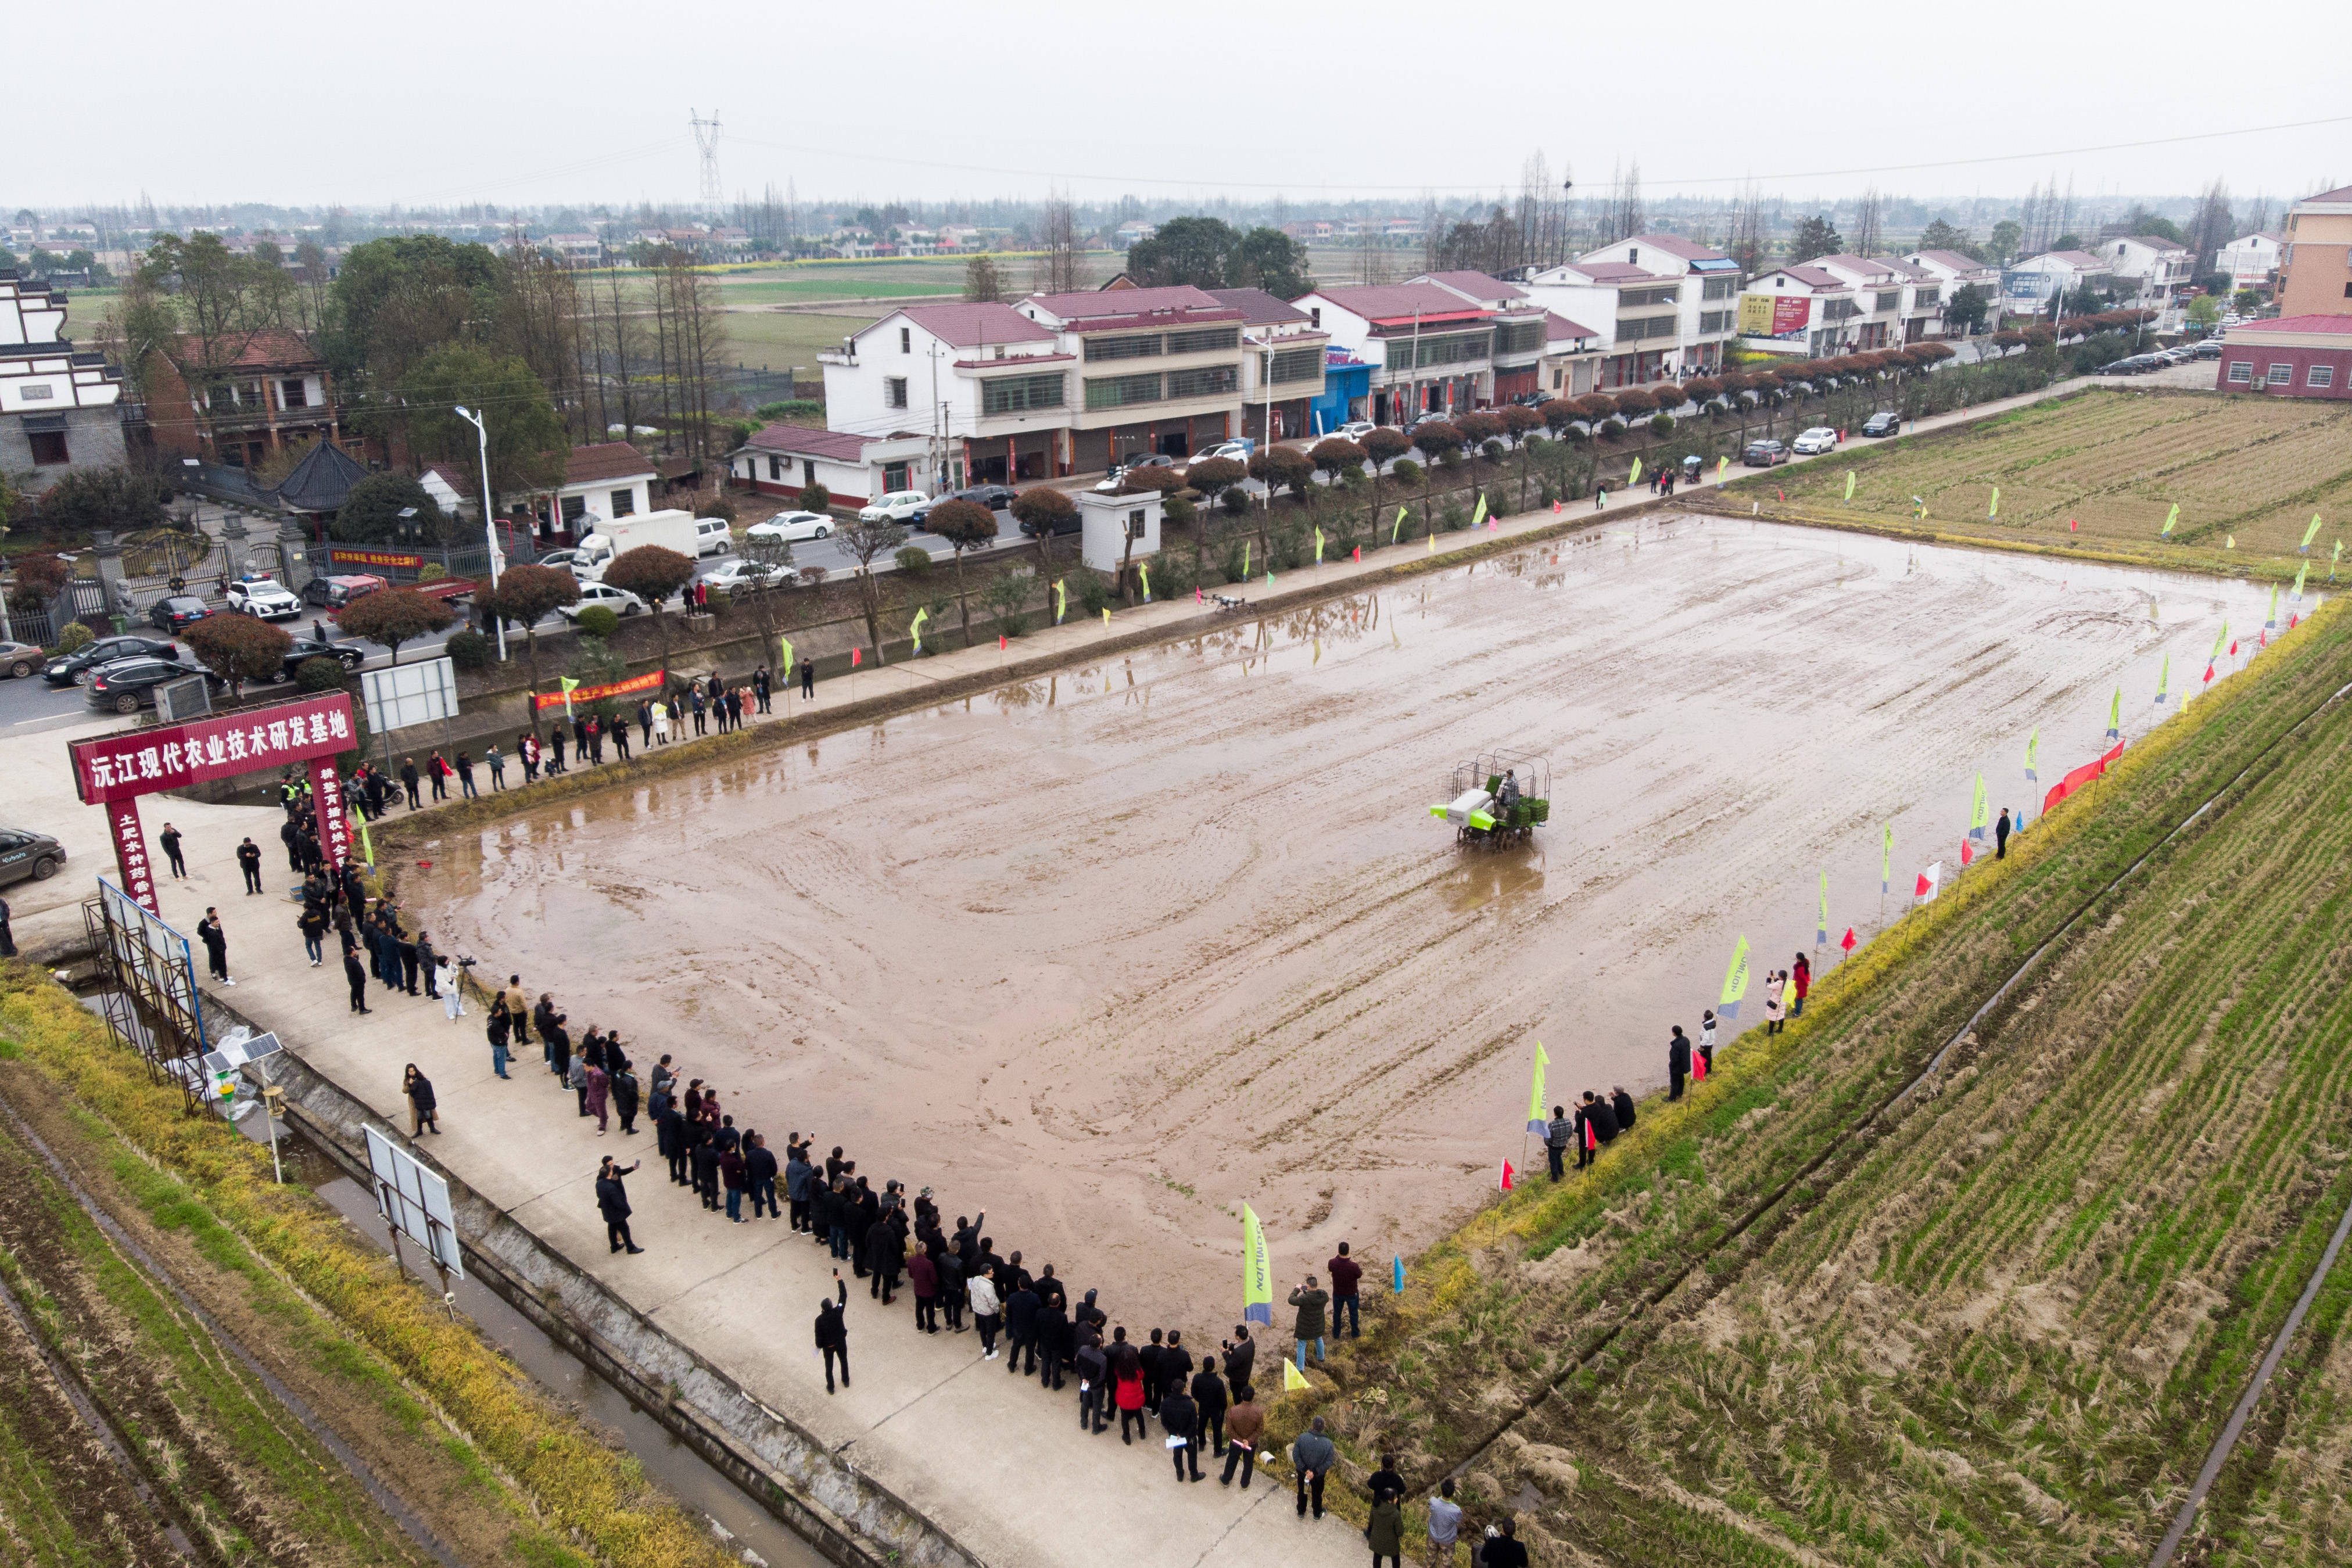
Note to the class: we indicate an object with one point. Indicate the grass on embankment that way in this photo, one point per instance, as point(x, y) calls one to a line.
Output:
point(2005, 1323)
point(2250, 469)
point(571, 1497)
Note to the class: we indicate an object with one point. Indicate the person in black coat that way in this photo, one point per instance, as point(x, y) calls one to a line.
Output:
point(290, 834)
point(1622, 1104)
point(1181, 1417)
point(1020, 1327)
point(1053, 1341)
point(248, 860)
point(357, 977)
point(612, 1202)
point(832, 1333)
point(705, 1172)
point(1241, 1356)
point(1149, 1355)
point(759, 1172)
point(623, 1085)
point(1208, 1393)
point(669, 1138)
point(885, 1255)
point(215, 941)
point(1677, 1062)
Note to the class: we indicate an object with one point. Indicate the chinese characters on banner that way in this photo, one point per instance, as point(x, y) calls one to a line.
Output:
point(116, 770)
point(326, 799)
point(131, 853)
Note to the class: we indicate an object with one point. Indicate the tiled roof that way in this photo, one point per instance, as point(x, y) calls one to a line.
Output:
point(1854, 264)
point(1616, 272)
point(1688, 250)
point(1123, 301)
point(1896, 264)
point(838, 445)
point(1258, 308)
point(968, 326)
point(1559, 328)
point(272, 348)
point(320, 481)
point(2341, 194)
point(2074, 258)
point(1013, 362)
point(1477, 284)
point(1954, 260)
point(2338, 325)
point(1398, 301)
point(1812, 275)
point(2153, 242)
point(605, 460)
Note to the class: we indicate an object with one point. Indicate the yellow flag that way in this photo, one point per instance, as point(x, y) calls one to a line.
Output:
point(1399, 528)
point(1635, 477)
point(1106, 617)
point(1145, 573)
point(787, 645)
point(1849, 484)
point(915, 628)
point(1257, 1271)
point(1318, 547)
point(1537, 1120)
point(1292, 1378)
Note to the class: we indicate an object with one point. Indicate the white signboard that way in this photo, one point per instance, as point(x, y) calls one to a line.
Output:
point(405, 694)
point(414, 1201)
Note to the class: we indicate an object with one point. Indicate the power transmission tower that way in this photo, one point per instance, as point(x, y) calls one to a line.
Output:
point(705, 140)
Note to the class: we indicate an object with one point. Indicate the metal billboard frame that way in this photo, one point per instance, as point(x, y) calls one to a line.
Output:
point(414, 1202)
point(150, 1001)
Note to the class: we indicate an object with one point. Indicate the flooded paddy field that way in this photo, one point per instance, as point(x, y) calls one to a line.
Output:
point(1109, 954)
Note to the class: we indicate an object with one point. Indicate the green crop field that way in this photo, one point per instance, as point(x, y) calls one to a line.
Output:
point(2252, 468)
point(2000, 1320)
point(779, 339)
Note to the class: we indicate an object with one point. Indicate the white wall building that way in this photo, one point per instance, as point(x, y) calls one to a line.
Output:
point(2027, 288)
point(1802, 310)
point(60, 408)
point(2147, 267)
point(2250, 259)
point(1954, 272)
point(1663, 307)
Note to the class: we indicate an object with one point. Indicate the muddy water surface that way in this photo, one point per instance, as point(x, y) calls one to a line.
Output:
point(1111, 954)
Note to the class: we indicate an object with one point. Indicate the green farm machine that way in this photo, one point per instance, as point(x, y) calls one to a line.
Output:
point(1500, 798)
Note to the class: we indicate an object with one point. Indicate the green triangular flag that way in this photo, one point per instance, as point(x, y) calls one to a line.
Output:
point(2170, 517)
point(1849, 484)
point(1994, 510)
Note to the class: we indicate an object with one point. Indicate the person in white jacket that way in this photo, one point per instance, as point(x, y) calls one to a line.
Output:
point(987, 1313)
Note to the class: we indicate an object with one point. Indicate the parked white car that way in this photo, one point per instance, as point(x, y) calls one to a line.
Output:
point(909, 507)
point(1355, 430)
point(793, 528)
point(264, 599)
point(1816, 441)
point(740, 574)
point(619, 600)
point(1238, 450)
point(713, 536)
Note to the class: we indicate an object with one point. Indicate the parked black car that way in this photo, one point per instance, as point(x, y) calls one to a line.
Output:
point(74, 668)
point(178, 613)
point(1886, 422)
point(25, 853)
point(995, 498)
point(305, 648)
point(1071, 524)
point(1763, 454)
point(130, 685)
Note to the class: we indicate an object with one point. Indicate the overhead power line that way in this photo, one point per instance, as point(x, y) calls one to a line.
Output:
point(1213, 183)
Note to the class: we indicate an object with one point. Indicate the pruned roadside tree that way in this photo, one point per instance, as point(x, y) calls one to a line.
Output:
point(1518, 420)
point(391, 616)
point(1336, 455)
point(1480, 426)
point(525, 596)
point(868, 540)
point(238, 648)
point(653, 573)
point(1045, 511)
point(1214, 476)
point(1385, 444)
point(1282, 468)
point(1558, 415)
point(772, 554)
point(1437, 437)
point(966, 525)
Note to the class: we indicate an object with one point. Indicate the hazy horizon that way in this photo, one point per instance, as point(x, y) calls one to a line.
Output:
point(530, 107)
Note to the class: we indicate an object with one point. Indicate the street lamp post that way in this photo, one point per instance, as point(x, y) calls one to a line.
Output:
point(489, 527)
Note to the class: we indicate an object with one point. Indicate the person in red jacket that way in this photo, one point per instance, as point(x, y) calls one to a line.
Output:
point(1346, 1275)
point(1800, 980)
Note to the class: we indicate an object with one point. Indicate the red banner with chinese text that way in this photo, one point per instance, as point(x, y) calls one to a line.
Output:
point(630, 687)
point(142, 762)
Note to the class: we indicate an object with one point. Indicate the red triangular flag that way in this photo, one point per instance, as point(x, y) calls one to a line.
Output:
point(857, 656)
point(1965, 854)
point(1847, 942)
point(1698, 1066)
point(1507, 1173)
point(1358, 552)
point(1925, 885)
point(2293, 620)
point(2208, 674)
point(999, 642)
point(2264, 641)
point(1592, 1139)
point(2233, 648)
point(1555, 508)
point(1198, 598)
point(2073, 526)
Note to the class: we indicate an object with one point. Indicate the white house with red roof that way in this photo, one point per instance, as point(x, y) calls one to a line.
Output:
point(2154, 265)
point(1953, 271)
point(1661, 307)
point(1432, 348)
point(1801, 310)
point(1281, 363)
point(1522, 333)
point(1158, 371)
point(1879, 290)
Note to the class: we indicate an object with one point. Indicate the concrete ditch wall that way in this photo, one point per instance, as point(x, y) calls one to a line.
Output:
point(816, 1493)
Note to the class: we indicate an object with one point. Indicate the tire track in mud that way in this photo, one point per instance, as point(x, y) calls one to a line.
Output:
point(1843, 1149)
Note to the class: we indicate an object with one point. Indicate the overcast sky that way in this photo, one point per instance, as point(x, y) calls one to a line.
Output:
point(497, 101)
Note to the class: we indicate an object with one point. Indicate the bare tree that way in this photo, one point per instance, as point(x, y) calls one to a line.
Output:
point(1057, 269)
point(1869, 221)
point(869, 541)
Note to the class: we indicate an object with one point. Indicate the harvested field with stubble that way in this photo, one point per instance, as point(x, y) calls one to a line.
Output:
point(1804, 1317)
point(2115, 461)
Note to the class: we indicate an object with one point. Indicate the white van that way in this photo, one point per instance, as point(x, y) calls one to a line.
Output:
point(713, 536)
